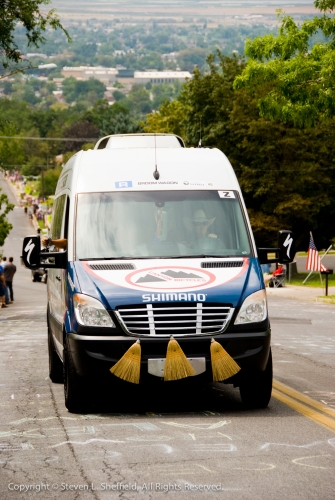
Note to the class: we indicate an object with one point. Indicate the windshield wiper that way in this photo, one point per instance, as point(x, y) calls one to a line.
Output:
point(110, 258)
point(207, 255)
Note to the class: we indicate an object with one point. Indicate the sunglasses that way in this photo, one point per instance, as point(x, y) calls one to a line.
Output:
point(200, 223)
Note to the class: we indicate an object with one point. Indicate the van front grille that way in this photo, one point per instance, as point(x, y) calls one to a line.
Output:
point(177, 319)
point(223, 263)
point(112, 267)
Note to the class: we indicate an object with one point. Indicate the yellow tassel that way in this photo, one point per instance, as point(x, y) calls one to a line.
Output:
point(177, 365)
point(223, 365)
point(129, 366)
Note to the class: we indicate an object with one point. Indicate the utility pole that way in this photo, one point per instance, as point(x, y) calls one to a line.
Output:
point(42, 179)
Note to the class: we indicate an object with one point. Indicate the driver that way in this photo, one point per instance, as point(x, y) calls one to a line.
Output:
point(199, 224)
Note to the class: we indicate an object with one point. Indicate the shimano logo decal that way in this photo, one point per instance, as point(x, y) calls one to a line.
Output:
point(174, 297)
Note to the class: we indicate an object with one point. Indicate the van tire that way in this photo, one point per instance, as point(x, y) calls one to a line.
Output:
point(55, 364)
point(256, 391)
point(76, 397)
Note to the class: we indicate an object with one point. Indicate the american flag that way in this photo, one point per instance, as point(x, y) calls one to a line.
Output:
point(313, 262)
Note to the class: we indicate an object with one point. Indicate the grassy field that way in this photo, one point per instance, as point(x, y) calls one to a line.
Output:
point(313, 281)
point(321, 252)
point(330, 299)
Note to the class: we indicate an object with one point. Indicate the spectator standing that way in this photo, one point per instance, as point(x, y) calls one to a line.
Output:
point(3, 264)
point(9, 271)
point(2, 288)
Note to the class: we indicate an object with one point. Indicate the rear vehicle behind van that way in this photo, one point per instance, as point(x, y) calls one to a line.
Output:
point(158, 276)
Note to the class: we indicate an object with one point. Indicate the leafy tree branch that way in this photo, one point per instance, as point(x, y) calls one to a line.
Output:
point(296, 83)
point(27, 13)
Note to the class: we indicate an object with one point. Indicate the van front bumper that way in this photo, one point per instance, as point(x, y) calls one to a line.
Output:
point(95, 355)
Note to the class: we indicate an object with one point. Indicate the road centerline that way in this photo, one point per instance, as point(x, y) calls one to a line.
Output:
point(319, 417)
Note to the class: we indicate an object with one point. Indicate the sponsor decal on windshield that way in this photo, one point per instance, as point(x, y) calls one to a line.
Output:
point(123, 184)
point(146, 183)
point(226, 194)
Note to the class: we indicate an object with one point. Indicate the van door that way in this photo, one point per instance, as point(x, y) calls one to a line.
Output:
point(56, 276)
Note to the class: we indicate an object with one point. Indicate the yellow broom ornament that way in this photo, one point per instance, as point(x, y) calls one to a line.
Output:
point(223, 365)
point(129, 366)
point(177, 365)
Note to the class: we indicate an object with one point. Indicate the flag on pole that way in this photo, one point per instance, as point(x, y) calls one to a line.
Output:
point(313, 258)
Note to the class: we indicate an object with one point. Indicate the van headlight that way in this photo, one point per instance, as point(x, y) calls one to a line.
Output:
point(253, 309)
point(90, 312)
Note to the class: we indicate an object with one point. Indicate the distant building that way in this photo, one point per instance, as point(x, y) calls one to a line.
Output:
point(58, 94)
point(156, 77)
point(36, 54)
point(171, 56)
point(123, 75)
point(105, 75)
point(109, 96)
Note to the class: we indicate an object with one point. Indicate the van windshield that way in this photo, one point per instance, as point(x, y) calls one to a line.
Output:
point(160, 224)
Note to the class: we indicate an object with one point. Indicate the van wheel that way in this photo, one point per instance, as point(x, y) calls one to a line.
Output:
point(74, 387)
point(256, 391)
point(55, 364)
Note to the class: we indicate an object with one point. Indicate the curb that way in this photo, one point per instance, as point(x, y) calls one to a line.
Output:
point(305, 294)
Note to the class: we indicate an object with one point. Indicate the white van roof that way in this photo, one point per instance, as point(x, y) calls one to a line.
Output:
point(124, 141)
point(132, 168)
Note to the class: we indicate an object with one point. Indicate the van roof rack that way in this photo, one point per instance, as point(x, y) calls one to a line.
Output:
point(120, 141)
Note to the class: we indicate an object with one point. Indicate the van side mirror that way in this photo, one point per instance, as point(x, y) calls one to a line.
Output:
point(283, 254)
point(286, 247)
point(31, 252)
point(33, 257)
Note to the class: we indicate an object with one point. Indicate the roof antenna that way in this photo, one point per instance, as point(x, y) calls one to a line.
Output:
point(156, 173)
point(200, 145)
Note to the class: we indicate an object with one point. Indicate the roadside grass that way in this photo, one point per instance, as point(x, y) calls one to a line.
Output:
point(321, 252)
point(328, 299)
point(313, 280)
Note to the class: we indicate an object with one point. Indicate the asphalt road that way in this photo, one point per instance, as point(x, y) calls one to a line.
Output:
point(178, 440)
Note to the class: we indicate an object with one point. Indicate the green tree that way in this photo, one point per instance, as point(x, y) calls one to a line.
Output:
point(286, 174)
point(5, 226)
point(168, 120)
point(138, 100)
point(189, 58)
point(35, 23)
point(48, 185)
point(77, 90)
point(296, 81)
point(11, 151)
point(208, 99)
point(118, 96)
point(114, 119)
point(80, 130)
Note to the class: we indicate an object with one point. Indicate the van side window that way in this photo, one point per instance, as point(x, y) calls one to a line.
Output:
point(66, 221)
point(56, 227)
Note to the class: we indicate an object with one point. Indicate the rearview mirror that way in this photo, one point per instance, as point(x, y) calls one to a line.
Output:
point(33, 257)
point(286, 247)
point(31, 252)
